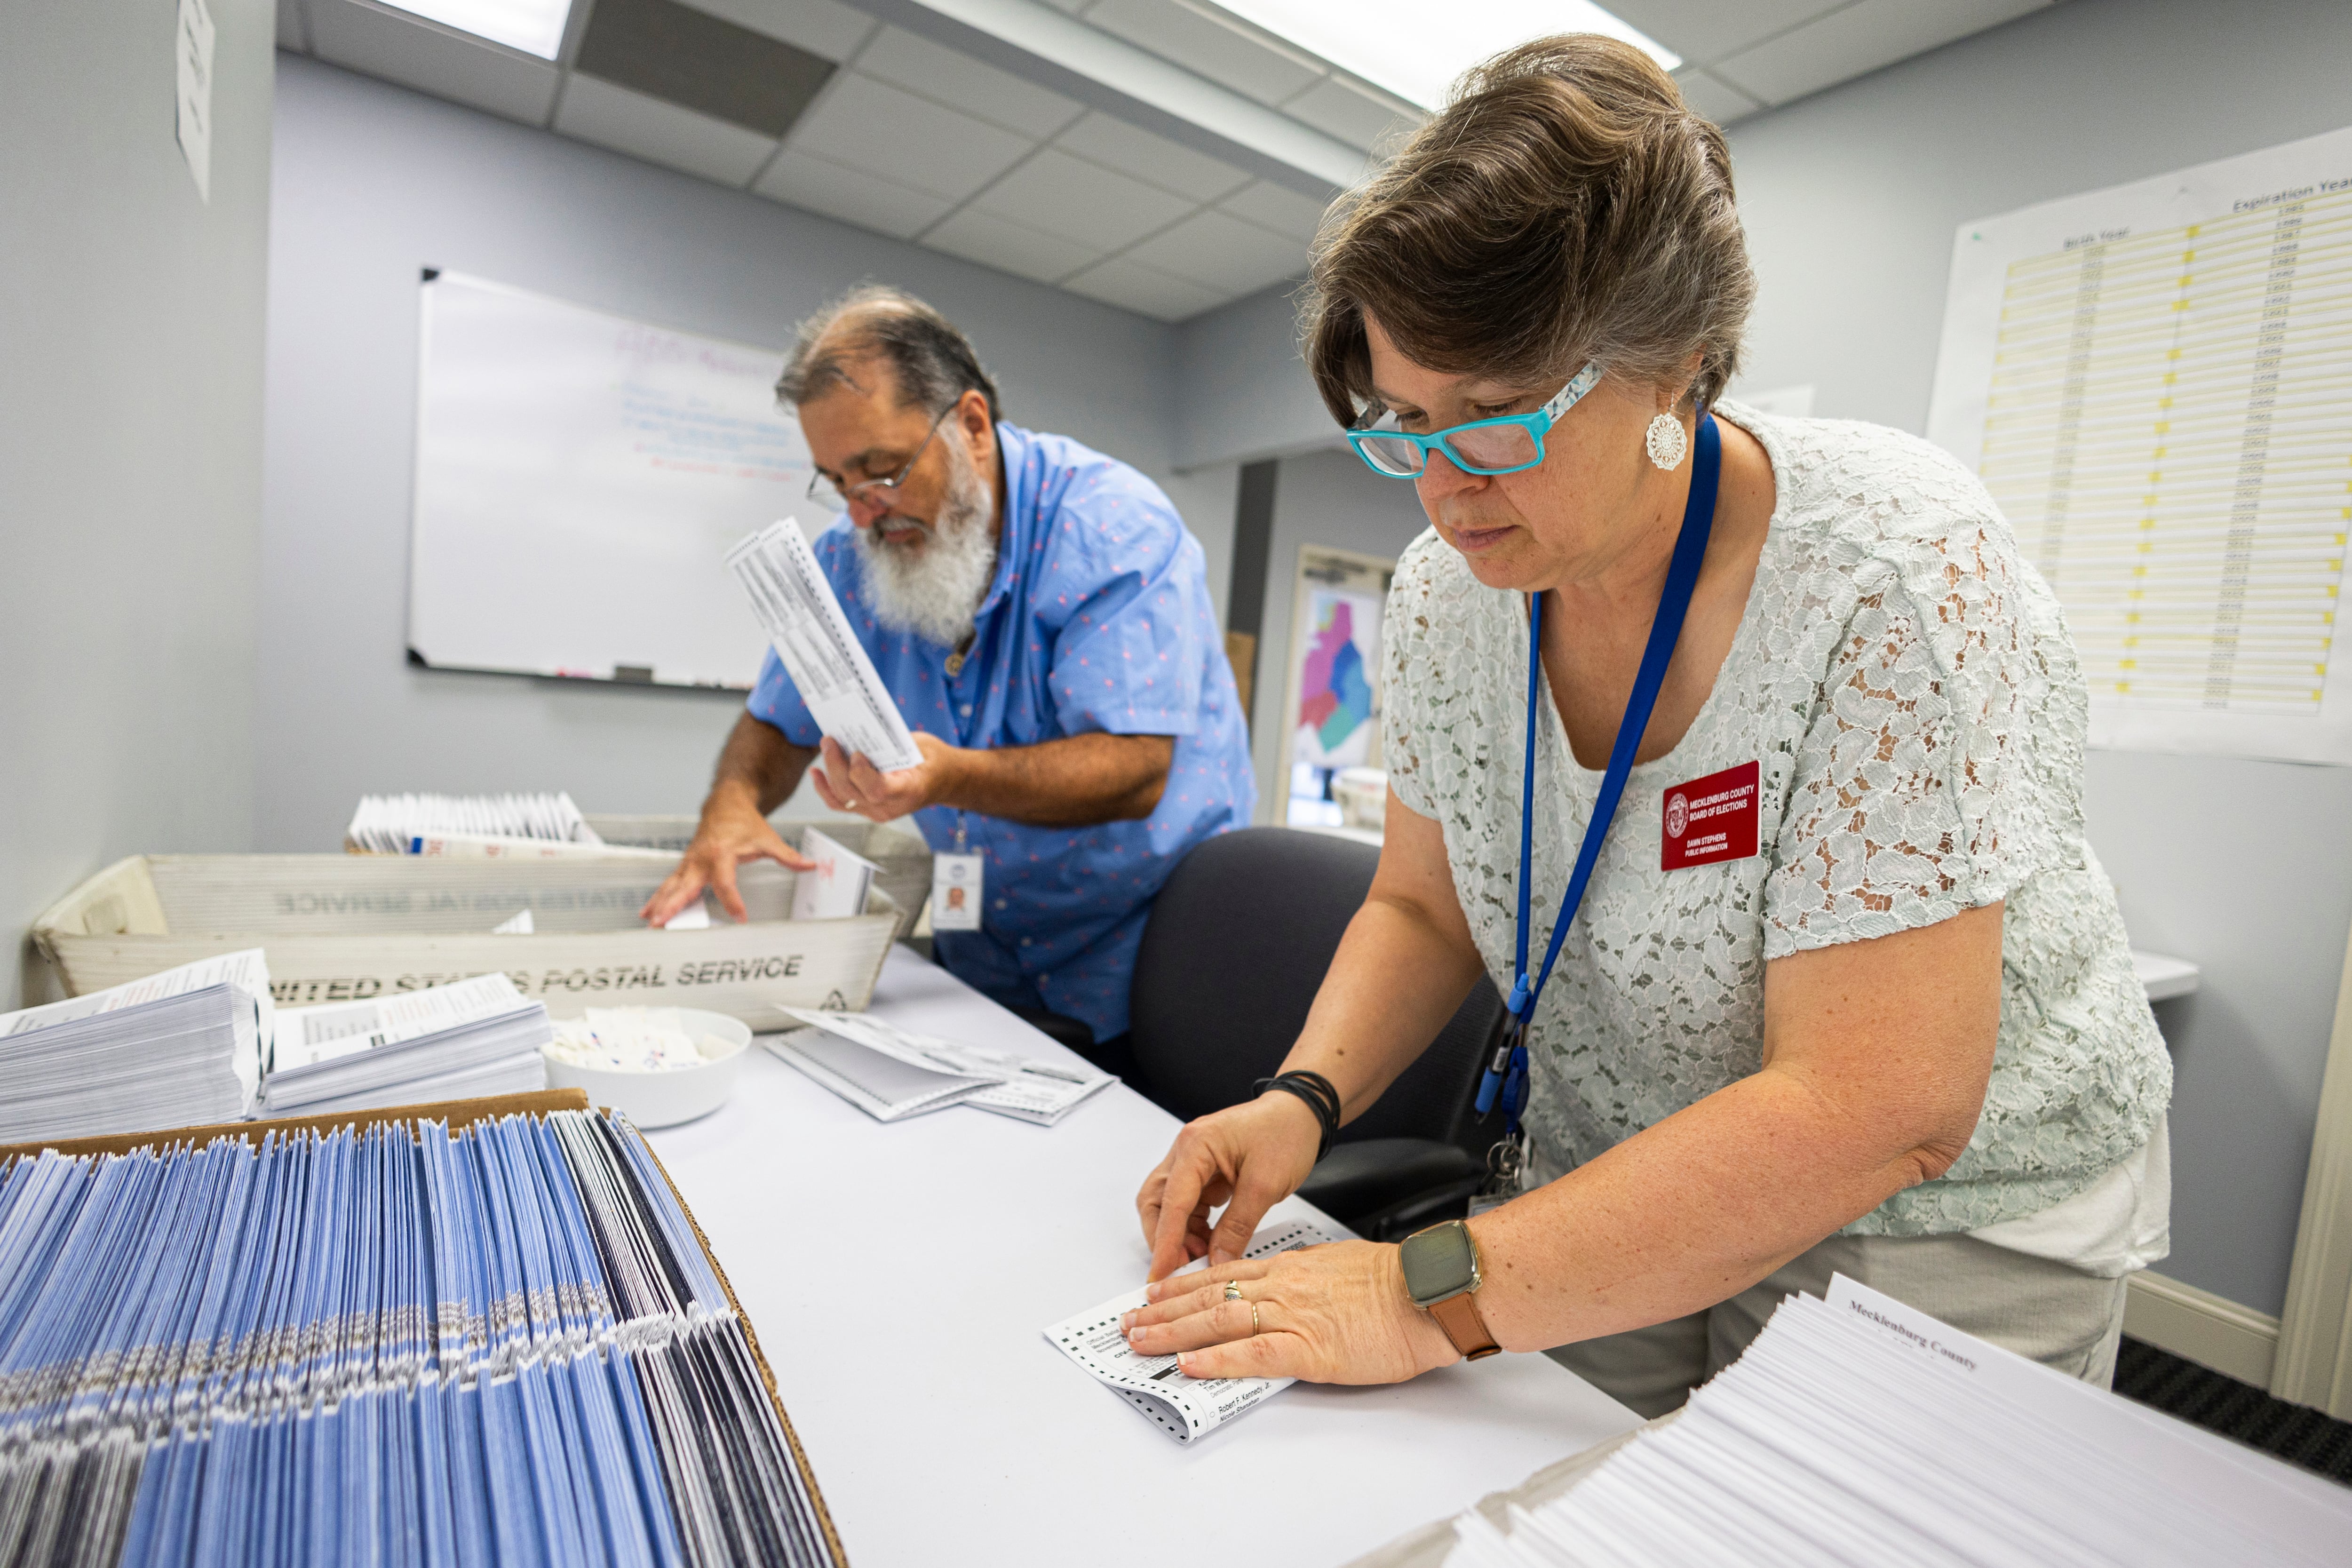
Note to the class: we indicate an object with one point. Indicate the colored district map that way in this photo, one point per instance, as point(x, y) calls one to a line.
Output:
point(1335, 697)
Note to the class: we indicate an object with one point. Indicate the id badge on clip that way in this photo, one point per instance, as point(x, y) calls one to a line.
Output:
point(956, 886)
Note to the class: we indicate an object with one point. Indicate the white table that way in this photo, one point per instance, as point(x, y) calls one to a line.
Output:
point(899, 1277)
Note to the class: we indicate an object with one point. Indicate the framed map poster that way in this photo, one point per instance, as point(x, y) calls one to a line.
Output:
point(1332, 707)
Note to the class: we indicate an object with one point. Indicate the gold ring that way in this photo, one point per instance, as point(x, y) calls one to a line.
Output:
point(1254, 1329)
point(1233, 1289)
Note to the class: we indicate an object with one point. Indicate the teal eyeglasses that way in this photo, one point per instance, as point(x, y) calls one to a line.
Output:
point(1502, 445)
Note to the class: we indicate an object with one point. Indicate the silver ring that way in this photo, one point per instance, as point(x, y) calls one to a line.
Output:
point(1233, 1289)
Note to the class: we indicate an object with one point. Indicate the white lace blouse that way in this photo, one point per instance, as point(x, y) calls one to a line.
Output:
point(1908, 686)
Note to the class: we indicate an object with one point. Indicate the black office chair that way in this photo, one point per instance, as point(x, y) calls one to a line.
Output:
point(1235, 949)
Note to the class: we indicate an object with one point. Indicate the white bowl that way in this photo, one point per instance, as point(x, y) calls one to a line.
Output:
point(666, 1098)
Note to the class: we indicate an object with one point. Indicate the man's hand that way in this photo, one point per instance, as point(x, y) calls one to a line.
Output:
point(731, 833)
point(854, 784)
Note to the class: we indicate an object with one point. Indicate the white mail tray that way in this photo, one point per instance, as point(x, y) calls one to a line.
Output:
point(337, 927)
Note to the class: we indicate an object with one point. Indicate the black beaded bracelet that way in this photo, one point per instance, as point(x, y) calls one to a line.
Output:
point(1321, 1097)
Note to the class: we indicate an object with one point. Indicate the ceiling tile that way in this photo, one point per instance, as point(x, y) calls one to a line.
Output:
point(415, 53)
point(1067, 197)
point(1222, 253)
point(1132, 286)
point(869, 201)
point(1224, 55)
point(1153, 159)
point(1010, 247)
point(1712, 98)
point(1337, 108)
point(659, 133)
point(1704, 30)
point(961, 83)
point(869, 125)
point(289, 27)
point(1271, 207)
point(1858, 39)
point(823, 27)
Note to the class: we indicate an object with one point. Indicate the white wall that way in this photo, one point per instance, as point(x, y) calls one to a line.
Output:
point(1851, 199)
point(1246, 393)
point(371, 183)
point(129, 444)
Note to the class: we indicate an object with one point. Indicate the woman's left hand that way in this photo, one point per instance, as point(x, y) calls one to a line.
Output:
point(1335, 1313)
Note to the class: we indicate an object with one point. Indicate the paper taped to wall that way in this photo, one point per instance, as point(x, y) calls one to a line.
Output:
point(804, 618)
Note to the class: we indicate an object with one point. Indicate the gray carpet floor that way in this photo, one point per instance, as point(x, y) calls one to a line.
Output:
point(2294, 1431)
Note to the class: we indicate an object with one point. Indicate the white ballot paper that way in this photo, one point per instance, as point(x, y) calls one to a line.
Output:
point(1183, 1407)
point(836, 889)
point(828, 665)
point(891, 1072)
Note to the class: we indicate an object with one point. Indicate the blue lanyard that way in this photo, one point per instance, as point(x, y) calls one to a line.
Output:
point(1509, 1070)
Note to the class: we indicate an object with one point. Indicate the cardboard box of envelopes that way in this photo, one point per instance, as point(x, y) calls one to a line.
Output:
point(348, 927)
point(461, 1113)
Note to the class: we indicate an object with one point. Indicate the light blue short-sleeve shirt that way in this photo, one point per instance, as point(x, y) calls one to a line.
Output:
point(1099, 620)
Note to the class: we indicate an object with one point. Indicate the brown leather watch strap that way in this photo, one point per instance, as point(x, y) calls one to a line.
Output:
point(1460, 1318)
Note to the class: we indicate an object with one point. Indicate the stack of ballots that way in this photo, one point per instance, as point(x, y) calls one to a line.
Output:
point(475, 1038)
point(174, 1049)
point(419, 824)
point(1860, 1430)
point(500, 1343)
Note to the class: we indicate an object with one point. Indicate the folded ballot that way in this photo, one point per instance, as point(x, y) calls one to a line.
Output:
point(178, 1048)
point(479, 1037)
point(891, 1073)
point(1185, 1407)
point(802, 616)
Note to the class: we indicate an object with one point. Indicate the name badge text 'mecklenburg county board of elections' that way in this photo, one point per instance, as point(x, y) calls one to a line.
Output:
point(1710, 819)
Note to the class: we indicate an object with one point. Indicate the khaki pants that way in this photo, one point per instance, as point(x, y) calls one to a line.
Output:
point(2044, 1311)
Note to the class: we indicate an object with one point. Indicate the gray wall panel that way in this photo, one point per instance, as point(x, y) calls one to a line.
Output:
point(130, 325)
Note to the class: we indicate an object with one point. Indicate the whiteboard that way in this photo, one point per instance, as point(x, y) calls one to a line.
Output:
point(2151, 381)
point(579, 479)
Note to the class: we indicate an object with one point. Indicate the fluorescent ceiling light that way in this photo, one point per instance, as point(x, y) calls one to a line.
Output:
point(1415, 49)
point(534, 26)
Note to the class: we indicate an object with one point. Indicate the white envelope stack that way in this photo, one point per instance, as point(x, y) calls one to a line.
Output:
point(396, 824)
point(479, 1037)
point(1858, 1430)
point(178, 1048)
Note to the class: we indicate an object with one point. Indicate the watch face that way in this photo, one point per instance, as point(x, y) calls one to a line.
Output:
point(1438, 1263)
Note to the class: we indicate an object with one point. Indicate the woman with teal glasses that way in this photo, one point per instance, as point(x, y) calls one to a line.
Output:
point(1745, 754)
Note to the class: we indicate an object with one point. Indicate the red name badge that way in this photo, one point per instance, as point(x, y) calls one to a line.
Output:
point(1711, 819)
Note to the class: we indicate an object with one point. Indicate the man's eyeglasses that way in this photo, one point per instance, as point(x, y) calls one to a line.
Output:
point(1502, 445)
point(824, 491)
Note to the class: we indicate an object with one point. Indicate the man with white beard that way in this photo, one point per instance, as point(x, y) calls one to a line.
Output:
point(1043, 618)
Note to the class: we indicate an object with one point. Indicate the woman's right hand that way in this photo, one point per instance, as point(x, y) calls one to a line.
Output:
point(1254, 1154)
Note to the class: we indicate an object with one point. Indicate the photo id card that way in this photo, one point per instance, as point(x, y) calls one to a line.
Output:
point(955, 892)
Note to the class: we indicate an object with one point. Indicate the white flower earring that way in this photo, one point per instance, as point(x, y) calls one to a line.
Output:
point(1667, 442)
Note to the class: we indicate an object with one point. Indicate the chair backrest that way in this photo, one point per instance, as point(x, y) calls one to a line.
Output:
point(1234, 951)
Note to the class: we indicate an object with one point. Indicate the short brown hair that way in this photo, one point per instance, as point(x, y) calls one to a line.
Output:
point(1565, 205)
point(933, 363)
